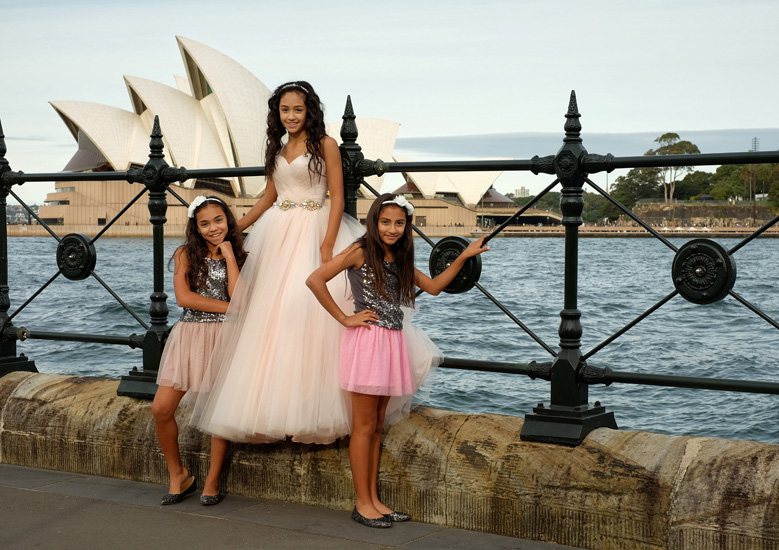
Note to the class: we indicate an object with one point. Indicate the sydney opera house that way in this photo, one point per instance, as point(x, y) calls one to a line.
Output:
point(215, 118)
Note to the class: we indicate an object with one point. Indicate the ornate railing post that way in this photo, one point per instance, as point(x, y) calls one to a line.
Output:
point(9, 361)
point(143, 383)
point(351, 155)
point(569, 418)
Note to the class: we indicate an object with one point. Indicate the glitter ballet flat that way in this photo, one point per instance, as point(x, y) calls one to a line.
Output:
point(175, 498)
point(397, 516)
point(210, 500)
point(370, 522)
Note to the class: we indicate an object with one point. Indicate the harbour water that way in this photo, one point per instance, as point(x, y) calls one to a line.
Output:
point(618, 280)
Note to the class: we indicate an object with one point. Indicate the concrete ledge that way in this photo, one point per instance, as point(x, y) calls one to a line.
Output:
point(617, 490)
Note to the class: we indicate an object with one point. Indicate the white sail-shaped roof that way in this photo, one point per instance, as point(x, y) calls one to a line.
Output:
point(189, 139)
point(119, 135)
point(376, 139)
point(469, 186)
point(243, 101)
point(183, 84)
point(215, 117)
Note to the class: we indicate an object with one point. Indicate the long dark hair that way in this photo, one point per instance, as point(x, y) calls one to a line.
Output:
point(314, 127)
point(403, 249)
point(196, 249)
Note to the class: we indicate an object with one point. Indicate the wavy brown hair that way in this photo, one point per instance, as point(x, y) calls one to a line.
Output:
point(403, 249)
point(196, 249)
point(314, 127)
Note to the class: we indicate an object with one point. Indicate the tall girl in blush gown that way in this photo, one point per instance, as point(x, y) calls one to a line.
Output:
point(275, 366)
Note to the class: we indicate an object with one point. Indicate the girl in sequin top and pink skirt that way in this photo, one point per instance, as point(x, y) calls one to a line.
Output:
point(206, 272)
point(375, 363)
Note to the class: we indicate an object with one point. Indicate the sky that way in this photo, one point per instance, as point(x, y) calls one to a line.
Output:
point(440, 69)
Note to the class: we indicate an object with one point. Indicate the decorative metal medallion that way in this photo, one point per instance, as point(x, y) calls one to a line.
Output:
point(76, 256)
point(703, 271)
point(444, 253)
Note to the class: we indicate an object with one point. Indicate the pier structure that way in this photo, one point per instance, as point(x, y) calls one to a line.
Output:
point(555, 475)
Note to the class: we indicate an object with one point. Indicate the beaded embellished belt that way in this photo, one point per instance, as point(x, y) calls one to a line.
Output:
point(308, 205)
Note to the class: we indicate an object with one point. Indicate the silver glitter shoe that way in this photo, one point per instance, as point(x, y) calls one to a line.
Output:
point(210, 500)
point(175, 498)
point(397, 516)
point(370, 522)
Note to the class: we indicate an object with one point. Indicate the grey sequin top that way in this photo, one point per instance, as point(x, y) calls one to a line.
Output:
point(367, 297)
point(216, 288)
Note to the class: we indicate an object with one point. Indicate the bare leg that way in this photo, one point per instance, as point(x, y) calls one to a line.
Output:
point(364, 409)
point(218, 452)
point(375, 454)
point(164, 408)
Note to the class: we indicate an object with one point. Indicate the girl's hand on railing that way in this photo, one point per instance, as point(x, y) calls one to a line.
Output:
point(475, 248)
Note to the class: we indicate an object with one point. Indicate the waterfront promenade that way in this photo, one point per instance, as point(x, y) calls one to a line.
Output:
point(50, 509)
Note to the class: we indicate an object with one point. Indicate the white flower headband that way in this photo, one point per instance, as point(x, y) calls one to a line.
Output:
point(197, 202)
point(401, 201)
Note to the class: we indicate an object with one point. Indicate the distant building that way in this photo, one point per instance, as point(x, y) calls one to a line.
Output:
point(522, 192)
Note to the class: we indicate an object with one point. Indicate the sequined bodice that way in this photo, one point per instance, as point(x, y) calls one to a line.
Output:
point(295, 183)
point(367, 297)
point(216, 288)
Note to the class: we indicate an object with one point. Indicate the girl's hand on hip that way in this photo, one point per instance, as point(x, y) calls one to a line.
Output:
point(361, 319)
point(326, 252)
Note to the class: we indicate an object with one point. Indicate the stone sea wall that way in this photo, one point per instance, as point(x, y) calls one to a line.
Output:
point(616, 490)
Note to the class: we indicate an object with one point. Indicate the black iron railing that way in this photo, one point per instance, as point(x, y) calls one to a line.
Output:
point(703, 271)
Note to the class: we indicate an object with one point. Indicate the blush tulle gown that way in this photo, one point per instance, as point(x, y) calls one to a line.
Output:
point(274, 370)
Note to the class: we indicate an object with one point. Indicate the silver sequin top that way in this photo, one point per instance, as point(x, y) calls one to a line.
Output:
point(367, 297)
point(216, 288)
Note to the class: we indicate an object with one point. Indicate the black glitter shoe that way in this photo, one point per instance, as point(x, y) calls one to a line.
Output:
point(210, 500)
point(175, 498)
point(397, 516)
point(370, 522)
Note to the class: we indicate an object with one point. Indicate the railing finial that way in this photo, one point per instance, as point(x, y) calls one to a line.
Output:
point(349, 126)
point(572, 126)
point(156, 145)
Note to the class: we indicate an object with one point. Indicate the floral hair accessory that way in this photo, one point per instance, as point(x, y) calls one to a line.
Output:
point(401, 201)
point(197, 202)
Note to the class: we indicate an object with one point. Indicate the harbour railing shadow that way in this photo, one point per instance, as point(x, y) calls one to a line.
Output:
point(703, 271)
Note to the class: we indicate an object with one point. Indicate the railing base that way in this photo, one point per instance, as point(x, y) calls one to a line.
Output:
point(565, 425)
point(16, 364)
point(138, 384)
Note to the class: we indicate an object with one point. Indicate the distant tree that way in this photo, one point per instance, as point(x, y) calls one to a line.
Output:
point(728, 181)
point(773, 194)
point(671, 144)
point(694, 184)
point(637, 184)
point(765, 175)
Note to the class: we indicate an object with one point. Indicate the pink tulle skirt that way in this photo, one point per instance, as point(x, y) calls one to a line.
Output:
point(374, 360)
point(186, 355)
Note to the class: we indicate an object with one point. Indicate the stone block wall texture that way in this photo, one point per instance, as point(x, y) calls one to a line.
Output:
point(617, 490)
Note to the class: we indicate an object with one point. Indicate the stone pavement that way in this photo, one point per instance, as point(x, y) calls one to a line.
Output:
point(51, 509)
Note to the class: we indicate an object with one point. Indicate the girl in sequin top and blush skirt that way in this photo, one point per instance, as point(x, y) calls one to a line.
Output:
point(206, 271)
point(375, 364)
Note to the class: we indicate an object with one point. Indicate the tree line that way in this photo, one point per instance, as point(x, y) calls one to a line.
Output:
point(736, 182)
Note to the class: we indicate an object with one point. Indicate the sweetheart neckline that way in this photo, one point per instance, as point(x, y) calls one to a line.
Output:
point(293, 160)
